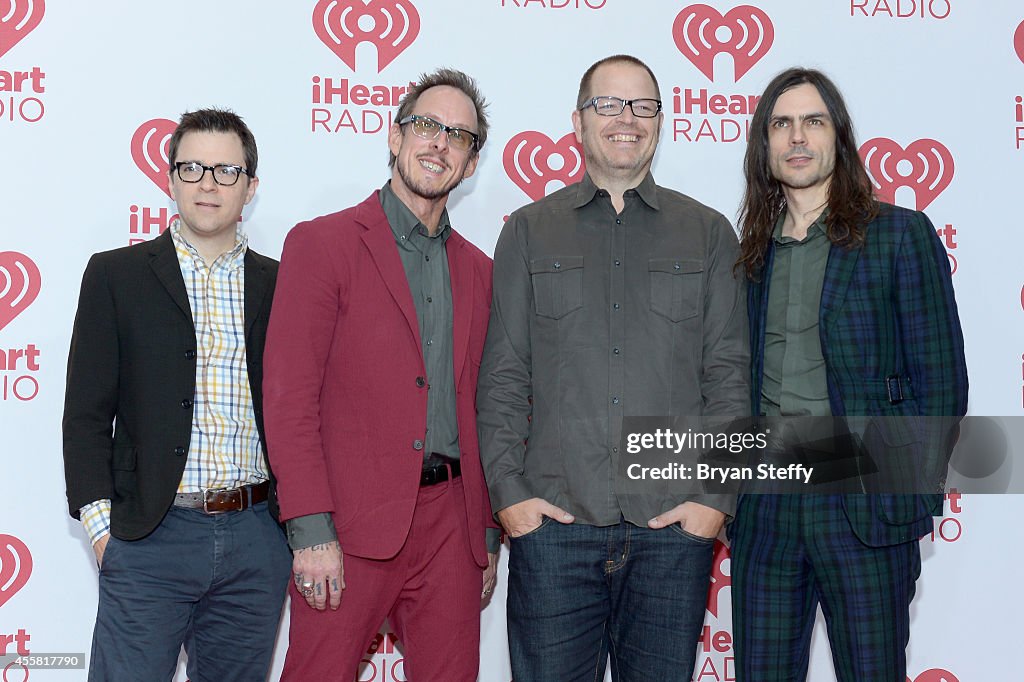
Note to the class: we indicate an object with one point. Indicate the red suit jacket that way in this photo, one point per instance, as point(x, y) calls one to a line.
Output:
point(345, 400)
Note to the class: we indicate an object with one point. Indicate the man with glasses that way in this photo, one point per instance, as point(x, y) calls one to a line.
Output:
point(613, 298)
point(372, 361)
point(163, 434)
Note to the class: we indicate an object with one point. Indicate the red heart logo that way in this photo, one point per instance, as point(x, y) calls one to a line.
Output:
point(719, 578)
point(928, 169)
point(935, 675)
point(532, 160)
point(1018, 41)
point(19, 286)
point(15, 566)
point(149, 149)
point(17, 19)
point(701, 32)
point(391, 25)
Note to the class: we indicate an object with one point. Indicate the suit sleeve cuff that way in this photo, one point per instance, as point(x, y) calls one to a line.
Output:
point(309, 530)
point(493, 537)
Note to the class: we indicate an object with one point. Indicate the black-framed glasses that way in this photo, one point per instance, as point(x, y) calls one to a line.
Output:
point(429, 129)
point(613, 106)
point(223, 174)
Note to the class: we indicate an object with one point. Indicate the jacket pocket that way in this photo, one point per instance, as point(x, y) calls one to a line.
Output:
point(675, 287)
point(557, 285)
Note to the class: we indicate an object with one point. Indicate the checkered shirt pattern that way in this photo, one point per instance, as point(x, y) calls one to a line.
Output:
point(225, 450)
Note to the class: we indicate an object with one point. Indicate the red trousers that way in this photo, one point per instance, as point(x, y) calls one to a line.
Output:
point(429, 592)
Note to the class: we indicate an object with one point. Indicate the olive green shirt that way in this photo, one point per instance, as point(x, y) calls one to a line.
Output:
point(794, 368)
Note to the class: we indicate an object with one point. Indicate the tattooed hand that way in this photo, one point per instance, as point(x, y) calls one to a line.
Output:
point(319, 575)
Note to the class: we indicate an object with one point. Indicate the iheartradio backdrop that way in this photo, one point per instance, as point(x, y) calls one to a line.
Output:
point(89, 93)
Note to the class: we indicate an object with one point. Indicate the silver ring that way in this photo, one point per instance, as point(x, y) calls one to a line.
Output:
point(307, 589)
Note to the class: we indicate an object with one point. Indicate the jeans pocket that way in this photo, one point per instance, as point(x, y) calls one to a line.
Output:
point(700, 539)
point(545, 521)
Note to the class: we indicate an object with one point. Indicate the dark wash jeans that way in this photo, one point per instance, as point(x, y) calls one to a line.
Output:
point(215, 583)
point(580, 594)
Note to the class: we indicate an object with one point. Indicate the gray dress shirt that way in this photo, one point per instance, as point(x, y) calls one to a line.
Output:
point(597, 316)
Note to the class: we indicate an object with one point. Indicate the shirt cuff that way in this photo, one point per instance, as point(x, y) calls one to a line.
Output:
point(309, 530)
point(95, 518)
point(493, 536)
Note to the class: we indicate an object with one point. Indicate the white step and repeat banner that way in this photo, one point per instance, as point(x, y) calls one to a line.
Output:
point(89, 92)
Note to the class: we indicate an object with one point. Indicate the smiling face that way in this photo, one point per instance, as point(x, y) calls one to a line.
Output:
point(209, 212)
point(618, 149)
point(802, 141)
point(427, 170)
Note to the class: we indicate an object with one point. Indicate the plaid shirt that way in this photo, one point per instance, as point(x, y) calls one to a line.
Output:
point(225, 450)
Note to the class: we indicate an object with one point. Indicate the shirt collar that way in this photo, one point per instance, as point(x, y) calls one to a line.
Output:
point(404, 223)
point(229, 260)
point(586, 190)
point(818, 226)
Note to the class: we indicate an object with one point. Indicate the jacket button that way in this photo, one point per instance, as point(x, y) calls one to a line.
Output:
point(420, 382)
point(186, 403)
point(190, 354)
point(417, 444)
point(179, 451)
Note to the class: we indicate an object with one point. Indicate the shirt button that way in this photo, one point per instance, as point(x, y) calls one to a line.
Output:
point(420, 382)
point(617, 262)
point(417, 444)
point(618, 221)
point(616, 306)
point(190, 354)
point(615, 450)
point(676, 266)
point(615, 400)
point(429, 299)
point(557, 265)
point(186, 403)
point(179, 451)
point(427, 257)
point(615, 350)
point(430, 342)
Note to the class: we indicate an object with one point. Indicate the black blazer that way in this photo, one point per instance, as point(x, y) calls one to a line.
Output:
point(132, 377)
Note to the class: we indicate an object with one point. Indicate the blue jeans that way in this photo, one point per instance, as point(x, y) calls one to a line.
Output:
point(215, 583)
point(580, 594)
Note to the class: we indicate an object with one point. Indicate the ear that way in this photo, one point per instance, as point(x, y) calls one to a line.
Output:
point(251, 189)
point(395, 138)
point(471, 165)
point(170, 185)
point(577, 125)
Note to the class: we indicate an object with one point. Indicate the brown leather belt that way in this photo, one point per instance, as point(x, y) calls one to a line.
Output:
point(220, 500)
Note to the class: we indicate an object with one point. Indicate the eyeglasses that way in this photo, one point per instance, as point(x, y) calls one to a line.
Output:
point(613, 106)
point(429, 129)
point(223, 174)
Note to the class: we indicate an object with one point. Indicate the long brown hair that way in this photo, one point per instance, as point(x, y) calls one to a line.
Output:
point(851, 205)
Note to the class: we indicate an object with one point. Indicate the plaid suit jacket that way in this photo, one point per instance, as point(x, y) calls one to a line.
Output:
point(887, 310)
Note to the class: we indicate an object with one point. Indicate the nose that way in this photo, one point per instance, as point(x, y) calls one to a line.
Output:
point(796, 134)
point(440, 143)
point(207, 183)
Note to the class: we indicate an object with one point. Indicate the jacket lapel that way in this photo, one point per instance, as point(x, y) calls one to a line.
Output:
point(462, 281)
point(380, 242)
point(838, 273)
point(165, 265)
point(256, 286)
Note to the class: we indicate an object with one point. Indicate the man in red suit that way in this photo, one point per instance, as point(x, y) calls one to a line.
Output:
point(372, 358)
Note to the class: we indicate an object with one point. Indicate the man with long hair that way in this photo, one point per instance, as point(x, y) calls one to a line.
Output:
point(851, 313)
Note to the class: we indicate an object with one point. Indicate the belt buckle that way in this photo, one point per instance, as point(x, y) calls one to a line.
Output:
point(206, 499)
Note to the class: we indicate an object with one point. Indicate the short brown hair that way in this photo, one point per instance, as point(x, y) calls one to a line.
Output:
point(215, 121)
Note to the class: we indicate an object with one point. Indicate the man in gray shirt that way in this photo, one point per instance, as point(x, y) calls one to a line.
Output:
point(613, 297)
